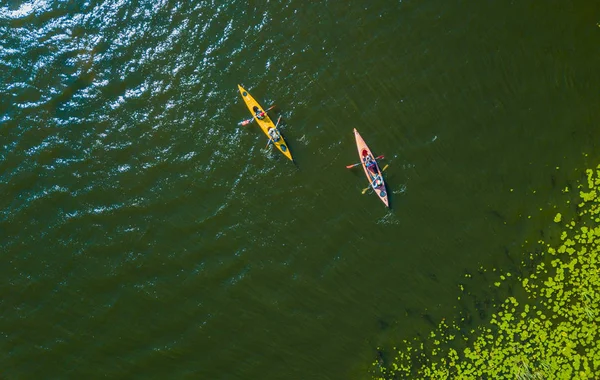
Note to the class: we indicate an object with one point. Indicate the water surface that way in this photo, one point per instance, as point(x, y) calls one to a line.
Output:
point(145, 235)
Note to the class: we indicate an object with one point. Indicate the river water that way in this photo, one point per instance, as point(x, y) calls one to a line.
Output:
point(144, 234)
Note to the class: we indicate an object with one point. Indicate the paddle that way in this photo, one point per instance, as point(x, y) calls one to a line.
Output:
point(270, 139)
point(365, 190)
point(248, 121)
point(353, 165)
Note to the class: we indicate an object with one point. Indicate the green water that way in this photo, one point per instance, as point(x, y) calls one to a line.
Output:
point(145, 235)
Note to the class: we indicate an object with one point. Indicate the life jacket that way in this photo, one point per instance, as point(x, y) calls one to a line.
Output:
point(258, 113)
point(372, 165)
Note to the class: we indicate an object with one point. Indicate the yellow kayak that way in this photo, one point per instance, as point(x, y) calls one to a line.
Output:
point(266, 124)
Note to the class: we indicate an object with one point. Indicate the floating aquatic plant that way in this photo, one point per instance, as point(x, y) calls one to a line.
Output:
point(550, 332)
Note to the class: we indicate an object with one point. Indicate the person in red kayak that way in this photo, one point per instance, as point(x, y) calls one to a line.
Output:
point(370, 163)
point(377, 182)
point(260, 114)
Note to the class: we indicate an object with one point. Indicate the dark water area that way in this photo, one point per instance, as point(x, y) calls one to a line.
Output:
point(144, 234)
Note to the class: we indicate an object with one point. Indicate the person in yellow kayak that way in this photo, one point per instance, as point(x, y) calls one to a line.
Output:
point(274, 134)
point(260, 114)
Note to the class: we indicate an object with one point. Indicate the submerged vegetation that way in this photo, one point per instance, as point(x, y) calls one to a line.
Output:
point(548, 330)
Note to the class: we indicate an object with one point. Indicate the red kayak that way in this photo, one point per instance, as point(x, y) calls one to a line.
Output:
point(372, 170)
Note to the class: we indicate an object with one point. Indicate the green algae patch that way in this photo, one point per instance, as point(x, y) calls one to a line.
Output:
point(557, 218)
point(549, 332)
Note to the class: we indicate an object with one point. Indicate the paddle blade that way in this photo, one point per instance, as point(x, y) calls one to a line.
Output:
point(365, 189)
point(245, 122)
point(353, 165)
point(385, 167)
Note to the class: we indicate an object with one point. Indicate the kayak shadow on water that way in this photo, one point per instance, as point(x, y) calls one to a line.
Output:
point(283, 124)
point(360, 177)
point(281, 127)
point(272, 154)
point(391, 194)
point(390, 197)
